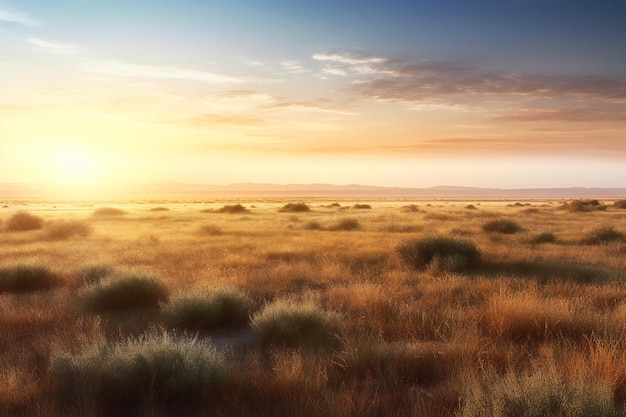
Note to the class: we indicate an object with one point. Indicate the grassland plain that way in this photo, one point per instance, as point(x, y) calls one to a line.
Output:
point(532, 327)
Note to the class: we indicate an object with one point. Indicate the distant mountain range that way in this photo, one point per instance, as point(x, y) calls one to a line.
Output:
point(172, 189)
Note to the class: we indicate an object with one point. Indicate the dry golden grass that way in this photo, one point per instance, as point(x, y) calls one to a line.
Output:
point(405, 342)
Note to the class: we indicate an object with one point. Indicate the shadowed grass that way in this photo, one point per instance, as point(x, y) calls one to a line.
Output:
point(66, 229)
point(125, 292)
point(505, 227)
point(442, 252)
point(207, 309)
point(108, 212)
point(23, 221)
point(133, 376)
point(27, 278)
point(346, 225)
point(292, 323)
point(544, 237)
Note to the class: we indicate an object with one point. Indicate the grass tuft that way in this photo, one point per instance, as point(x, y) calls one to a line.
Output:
point(583, 206)
point(67, 229)
point(603, 235)
point(294, 208)
point(209, 230)
point(27, 278)
point(208, 309)
point(23, 221)
point(125, 292)
point(108, 212)
point(539, 394)
point(138, 374)
point(346, 225)
point(159, 209)
point(505, 227)
point(441, 252)
point(93, 274)
point(232, 209)
point(544, 237)
point(292, 324)
point(362, 206)
point(620, 204)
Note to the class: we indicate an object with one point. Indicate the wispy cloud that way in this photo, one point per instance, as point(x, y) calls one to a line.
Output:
point(55, 47)
point(578, 114)
point(129, 70)
point(352, 58)
point(294, 67)
point(14, 16)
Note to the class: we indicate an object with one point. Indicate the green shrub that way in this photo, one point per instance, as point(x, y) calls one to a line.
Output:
point(540, 394)
point(291, 323)
point(67, 229)
point(136, 375)
point(27, 278)
point(108, 212)
point(23, 221)
point(208, 309)
point(545, 237)
point(603, 235)
point(294, 208)
point(346, 225)
point(505, 227)
point(620, 204)
point(442, 252)
point(125, 292)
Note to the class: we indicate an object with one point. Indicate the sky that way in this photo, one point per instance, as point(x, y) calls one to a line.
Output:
point(483, 93)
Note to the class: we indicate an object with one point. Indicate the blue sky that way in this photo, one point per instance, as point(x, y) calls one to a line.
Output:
point(396, 93)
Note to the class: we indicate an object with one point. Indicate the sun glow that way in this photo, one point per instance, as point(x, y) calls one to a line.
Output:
point(74, 166)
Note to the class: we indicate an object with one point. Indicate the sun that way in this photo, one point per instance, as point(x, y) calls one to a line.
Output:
point(75, 166)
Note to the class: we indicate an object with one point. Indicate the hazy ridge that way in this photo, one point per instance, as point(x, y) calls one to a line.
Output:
point(172, 189)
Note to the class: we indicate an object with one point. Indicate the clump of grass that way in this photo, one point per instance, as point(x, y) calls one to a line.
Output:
point(108, 212)
point(27, 278)
point(411, 208)
point(93, 274)
point(538, 394)
point(159, 209)
point(362, 206)
point(441, 252)
point(620, 204)
point(208, 309)
point(313, 225)
point(502, 226)
point(67, 229)
point(232, 209)
point(131, 377)
point(544, 237)
point(292, 323)
point(583, 206)
point(23, 221)
point(125, 292)
point(603, 235)
point(471, 207)
point(294, 208)
point(209, 230)
point(346, 225)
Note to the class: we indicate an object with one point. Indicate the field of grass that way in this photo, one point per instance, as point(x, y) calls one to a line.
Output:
point(329, 308)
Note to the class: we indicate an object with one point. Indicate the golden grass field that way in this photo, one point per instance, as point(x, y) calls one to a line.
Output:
point(531, 329)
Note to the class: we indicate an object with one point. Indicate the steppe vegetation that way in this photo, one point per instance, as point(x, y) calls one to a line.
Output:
point(425, 308)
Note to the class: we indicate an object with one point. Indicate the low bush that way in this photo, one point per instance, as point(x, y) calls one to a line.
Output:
point(208, 309)
point(23, 221)
point(505, 227)
point(620, 204)
point(27, 278)
point(346, 225)
point(362, 206)
point(441, 252)
point(159, 209)
point(293, 324)
point(108, 212)
point(539, 394)
point(232, 209)
point(125, 292)
point(603, 235)
point(583, 206)
point(411, 208)
point(136, 375)
point(294, 208)
point(209, 230)
point(67, 229)
point(313, 226)
point(545, 237)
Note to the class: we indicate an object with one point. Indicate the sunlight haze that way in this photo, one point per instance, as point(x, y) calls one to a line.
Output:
point(415, 94)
